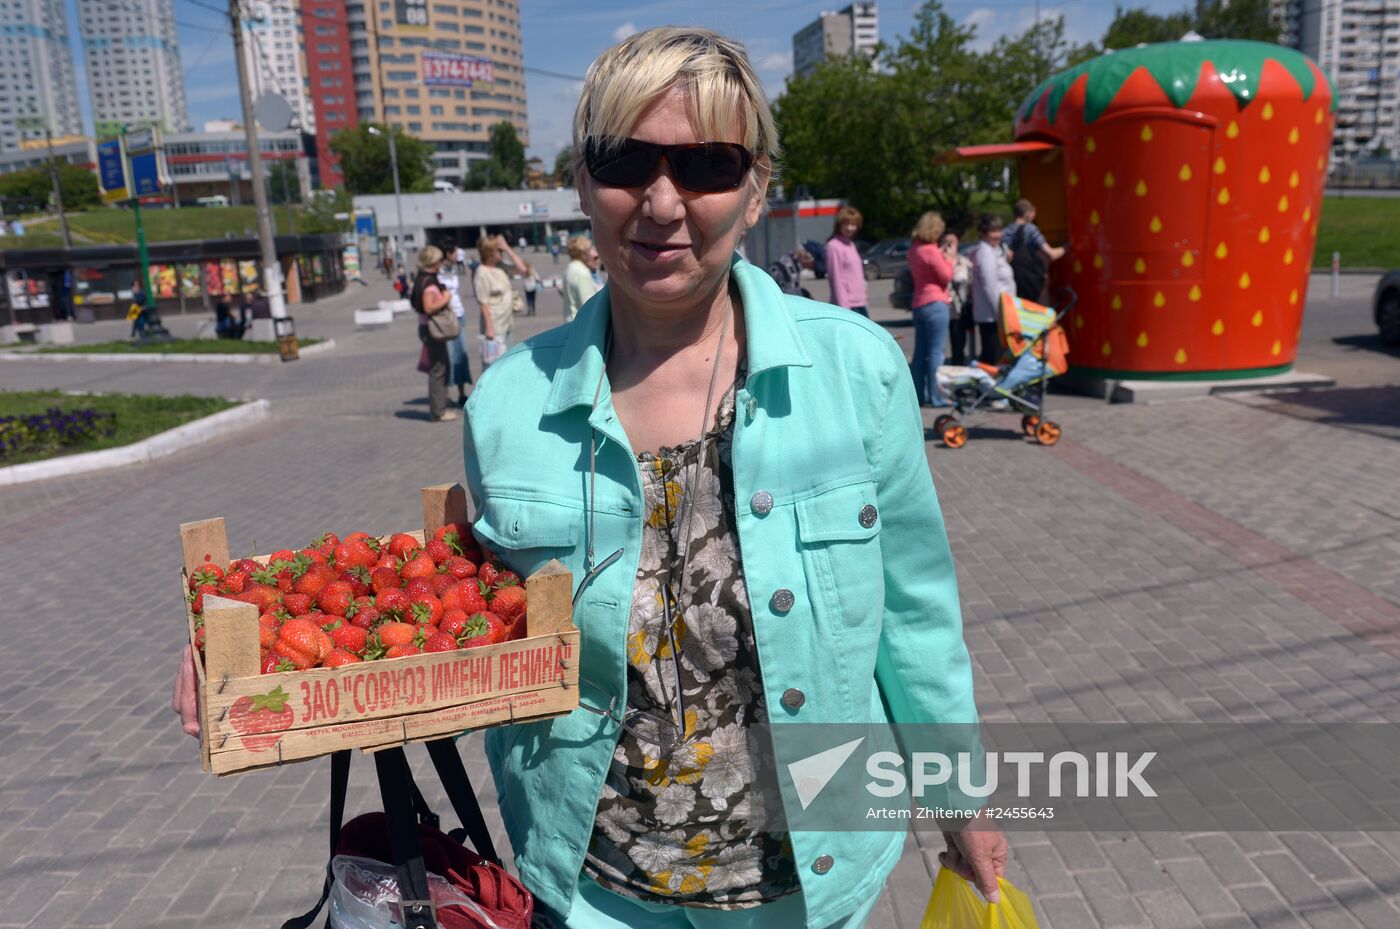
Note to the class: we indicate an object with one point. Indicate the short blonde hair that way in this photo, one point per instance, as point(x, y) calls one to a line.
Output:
point(579, 246)
point(714, 71)
point(429, 256)
point(487, 248)
point(929, 227)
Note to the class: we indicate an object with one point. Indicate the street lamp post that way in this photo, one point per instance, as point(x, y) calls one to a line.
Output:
point(398, 194)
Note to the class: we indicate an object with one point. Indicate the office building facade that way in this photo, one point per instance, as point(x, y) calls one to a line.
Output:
point(132, 53)
point(38, 92)
point(853, 30)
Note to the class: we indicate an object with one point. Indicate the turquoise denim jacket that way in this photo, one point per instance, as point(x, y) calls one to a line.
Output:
point(826, 426)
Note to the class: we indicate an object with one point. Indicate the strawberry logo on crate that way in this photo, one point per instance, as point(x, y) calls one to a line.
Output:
point(258, 716)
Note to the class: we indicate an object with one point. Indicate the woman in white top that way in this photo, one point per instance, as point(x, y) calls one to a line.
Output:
point(448, 277)
point(579, 280)
point(493, 287)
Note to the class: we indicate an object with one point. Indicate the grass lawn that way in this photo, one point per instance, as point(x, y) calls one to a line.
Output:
point(138, 417)
point(176, 347)
point(114, 226)
point(1366, 230)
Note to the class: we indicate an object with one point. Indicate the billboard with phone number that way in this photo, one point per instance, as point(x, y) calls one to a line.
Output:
point(445, 69)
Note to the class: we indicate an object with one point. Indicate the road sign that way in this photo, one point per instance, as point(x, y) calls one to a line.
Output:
point(139, 141)
point(111, 171)
point(145, 174)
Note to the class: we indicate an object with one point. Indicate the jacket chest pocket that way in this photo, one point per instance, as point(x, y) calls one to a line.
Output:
point(527, 533)
point(839, 532)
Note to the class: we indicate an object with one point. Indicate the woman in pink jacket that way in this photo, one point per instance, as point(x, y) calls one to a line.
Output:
point(845, 269)
point(931, 266)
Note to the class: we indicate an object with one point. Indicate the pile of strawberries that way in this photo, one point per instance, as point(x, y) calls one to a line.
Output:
point(338, 602)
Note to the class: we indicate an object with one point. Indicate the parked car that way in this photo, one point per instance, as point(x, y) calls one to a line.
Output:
point(1387, 309)
point(886, 259)
point(818, 250)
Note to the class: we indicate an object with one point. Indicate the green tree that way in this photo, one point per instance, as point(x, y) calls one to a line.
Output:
point(283, 184)
point(1238, 19)
point(35, 187)
point(318, 216)
point(1136, 25)
point(505, 168)
point(564, 166)
point(365, 165)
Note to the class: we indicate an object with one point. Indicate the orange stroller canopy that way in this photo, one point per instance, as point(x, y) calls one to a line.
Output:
point(1020, 324)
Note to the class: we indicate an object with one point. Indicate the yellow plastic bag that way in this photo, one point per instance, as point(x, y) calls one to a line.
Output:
point(956, 904)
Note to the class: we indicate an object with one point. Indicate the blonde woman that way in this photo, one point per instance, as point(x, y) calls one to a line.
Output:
point(931, 266)
point(494, 290)
point(579, 283)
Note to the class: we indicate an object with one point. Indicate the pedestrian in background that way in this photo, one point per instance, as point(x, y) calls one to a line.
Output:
point(579, 283)
point(991, 277)
point(931, 266)
point(461, 373)
point(787, 271)
point(496, 295)
point(429, 297)
point(845, 269)
point(1030, 253)
point(532, 286)
point(136, 313)
point(959, 297)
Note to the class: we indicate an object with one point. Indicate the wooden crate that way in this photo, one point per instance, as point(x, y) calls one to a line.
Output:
point(375, 704)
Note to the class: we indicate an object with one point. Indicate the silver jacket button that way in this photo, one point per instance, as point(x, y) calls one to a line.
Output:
point(823, 864)
point(868, 515)
point(762, 502)
point(794, 698)
point(782, 600)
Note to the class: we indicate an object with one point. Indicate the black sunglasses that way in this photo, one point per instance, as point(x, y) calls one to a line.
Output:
point(699, 167)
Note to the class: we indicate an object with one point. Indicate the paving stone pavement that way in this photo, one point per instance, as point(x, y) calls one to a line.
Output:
point(1219, 559)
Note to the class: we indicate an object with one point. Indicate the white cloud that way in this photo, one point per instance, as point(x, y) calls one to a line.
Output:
point(626, 29)
point(979, 17)
point(777, 61)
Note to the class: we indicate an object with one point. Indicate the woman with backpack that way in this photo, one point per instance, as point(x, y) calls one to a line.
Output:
point(932, 269)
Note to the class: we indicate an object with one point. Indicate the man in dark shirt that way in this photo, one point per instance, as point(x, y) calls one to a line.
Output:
point(1030, 253)
point(260, 308)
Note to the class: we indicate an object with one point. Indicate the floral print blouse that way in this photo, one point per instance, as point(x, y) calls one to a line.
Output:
point(681, 826)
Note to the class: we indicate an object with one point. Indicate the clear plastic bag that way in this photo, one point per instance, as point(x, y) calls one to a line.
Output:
point(364, 892)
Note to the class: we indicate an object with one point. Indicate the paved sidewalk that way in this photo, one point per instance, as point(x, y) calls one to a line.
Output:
point(1218, 559)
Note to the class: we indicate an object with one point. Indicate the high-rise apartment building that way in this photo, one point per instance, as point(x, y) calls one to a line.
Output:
point(445, 71)
point(1357, 45)
point(37, 89)
point(272, 53)
point(854, 30)
point(132, 52)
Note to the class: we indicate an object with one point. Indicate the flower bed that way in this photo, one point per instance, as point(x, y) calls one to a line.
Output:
point(40, 424)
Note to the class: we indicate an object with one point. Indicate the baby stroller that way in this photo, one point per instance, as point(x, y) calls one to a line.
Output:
point(1035, 351)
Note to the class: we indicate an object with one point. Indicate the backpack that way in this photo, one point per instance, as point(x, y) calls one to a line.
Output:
point(1026, 266)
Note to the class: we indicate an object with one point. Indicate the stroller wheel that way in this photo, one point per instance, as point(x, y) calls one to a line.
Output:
point(1047, 433)
point(1029, 422)
point(955, 436)
point(942, 423)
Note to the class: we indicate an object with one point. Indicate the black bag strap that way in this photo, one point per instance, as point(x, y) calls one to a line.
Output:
point(396, 789)
point(340, 778)
point(453, 774)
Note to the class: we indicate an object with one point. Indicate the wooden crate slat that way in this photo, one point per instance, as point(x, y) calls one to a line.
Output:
point(443, 504)
point(204, 542)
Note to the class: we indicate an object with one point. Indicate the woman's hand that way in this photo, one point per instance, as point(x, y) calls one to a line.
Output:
point(183, 701)
point(977, 853)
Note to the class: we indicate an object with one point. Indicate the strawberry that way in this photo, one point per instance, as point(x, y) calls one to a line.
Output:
point(385, 579)
point(313, 581)
point(197, 601)
point(442, 583)
point(234, 583)
point(452, 534)
point(476, 631)
point(350, 638)
point(206, 574)
point(324, 539)
point(441, 642)
point(302, 642)
point(359, 580)
point(393, 599)
point(401, 651)
point(285, 580)
point(199, 637)
point(402, 544)
point(267, 632)
point(297, 604)
point(473, 599)
point(459, 567)
point(418, 565)
point(315, 555)
point(438, 550)
point(426, 609)
point(418, 586)
point(363, 613)
point(517, 630)
point(245, 565)
point(488, 573)
point(506, 578)
point(260, 714)
point(509, 602)
point(497, 629)
point(388, 562)
point(340, 657)
point(453, 622)
point(396, 633)
point(282, 554)
point(272, 663)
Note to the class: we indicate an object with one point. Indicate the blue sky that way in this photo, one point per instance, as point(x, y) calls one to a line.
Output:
point(565, 35)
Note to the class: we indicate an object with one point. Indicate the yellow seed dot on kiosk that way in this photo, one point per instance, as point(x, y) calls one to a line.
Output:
point(1257, 319)
point(1263, 234)
point(1268, 111)
point(1159, 299)
point(1141, 189)
point(1146, 133)
point(1156, 224)
point(1277, 348)
point(1320, 162)
point(1180, 357)
point(1223, 197)
point(1187, 259)
point(1307, 213)
point(1293, 136)
point(1218, 327)
point(1094, 218)
point(1293, 179)
point(1233, 129)
point(1098, 261)
point(1221, 251)
point(1117, 303)
point(1106, 349)
point(1244, 281)
point(1293, 298)
point(1219, 166)
point(1089, 145)
point(1140, 266)
point(1195, 295)
point(1108, 179)
point(1079, 320)
point(1288, 257)
point(1142, 340)
point(1184, 173)
point(1073, 178)
point(1264, 175)
point(1077, 266)
point(1283, 204)
point(1317, 117)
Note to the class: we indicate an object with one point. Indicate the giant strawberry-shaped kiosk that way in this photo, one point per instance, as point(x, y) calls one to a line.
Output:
point(1187, 179)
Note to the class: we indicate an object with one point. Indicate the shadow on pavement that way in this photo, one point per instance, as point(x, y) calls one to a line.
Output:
point(1370, 343)
point(1373, 410)
point(422, 416)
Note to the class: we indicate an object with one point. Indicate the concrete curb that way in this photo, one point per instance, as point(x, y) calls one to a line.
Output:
point(157, 446)
point(162, 357)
